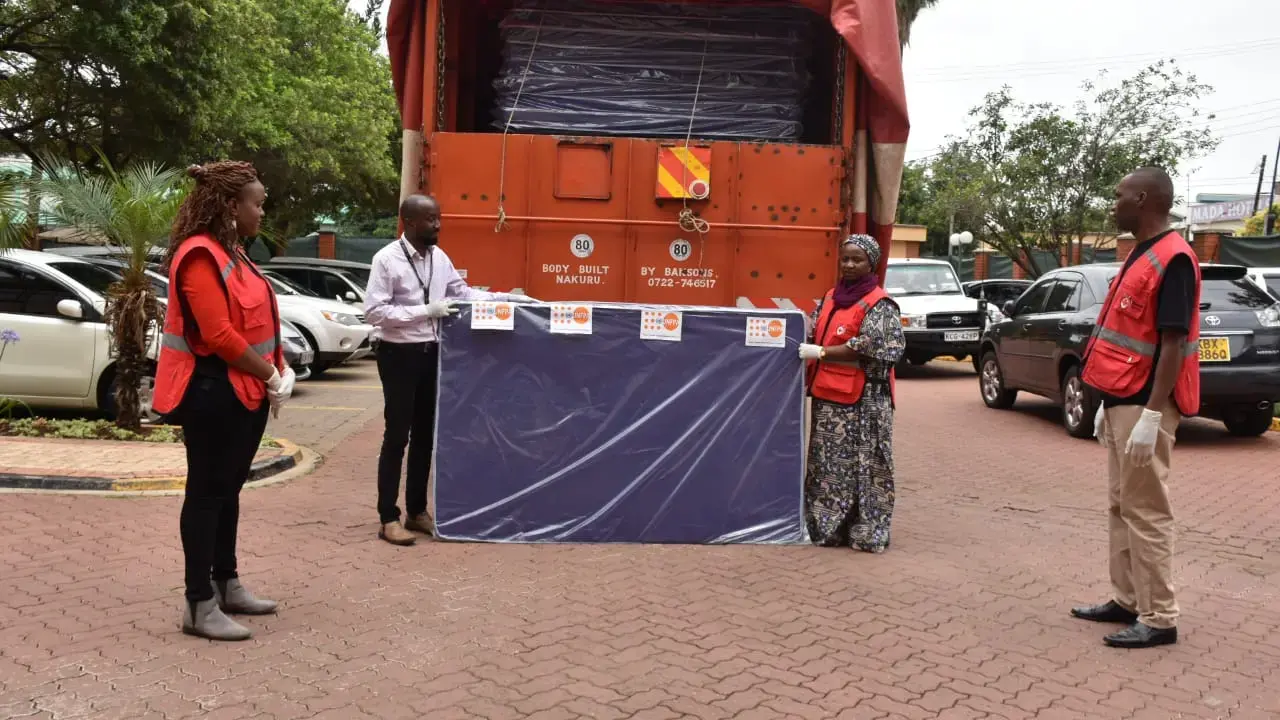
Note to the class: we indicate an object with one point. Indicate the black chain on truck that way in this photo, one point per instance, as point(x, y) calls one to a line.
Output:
point(440, 70)
point(838, 138)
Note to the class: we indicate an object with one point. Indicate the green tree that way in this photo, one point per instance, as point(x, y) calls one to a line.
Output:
point(1256, 225)
point(295, 86)
point(373, 16)
point(908, 11)
point(319, 120)
point(129, 78)
point(918, 205)
point(132, 210)
point(1040, 178)
point(12, 211)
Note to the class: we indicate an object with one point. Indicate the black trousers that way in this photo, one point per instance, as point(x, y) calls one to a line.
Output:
point(222, 438)
point(409, 383)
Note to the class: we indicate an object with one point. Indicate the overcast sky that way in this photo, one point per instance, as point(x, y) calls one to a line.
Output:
point(962, 49)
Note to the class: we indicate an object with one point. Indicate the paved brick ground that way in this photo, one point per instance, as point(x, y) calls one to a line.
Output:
point(1000, 528)
point(97, 458)
point(325, 411)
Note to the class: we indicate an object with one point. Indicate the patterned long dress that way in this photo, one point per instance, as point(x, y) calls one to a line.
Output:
point(848, 487)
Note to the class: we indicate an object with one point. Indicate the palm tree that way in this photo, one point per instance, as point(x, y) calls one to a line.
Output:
point(132, 211)
point(12, 224)
point(907, 12)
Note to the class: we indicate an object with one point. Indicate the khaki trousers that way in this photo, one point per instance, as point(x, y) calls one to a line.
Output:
point(1141, 520)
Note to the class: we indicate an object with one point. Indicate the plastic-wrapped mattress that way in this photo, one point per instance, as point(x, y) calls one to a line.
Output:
point(674, 425)
point(645, 69)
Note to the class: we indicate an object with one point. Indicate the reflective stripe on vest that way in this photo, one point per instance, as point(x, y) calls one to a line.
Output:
point(179, 343)
point(1141, 347)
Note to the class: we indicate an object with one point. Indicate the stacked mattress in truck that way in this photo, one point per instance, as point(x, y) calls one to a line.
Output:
point(602, 67)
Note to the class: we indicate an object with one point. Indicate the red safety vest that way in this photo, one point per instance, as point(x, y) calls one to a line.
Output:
point(839, 382)
point(1120, 356)
point(254, 315)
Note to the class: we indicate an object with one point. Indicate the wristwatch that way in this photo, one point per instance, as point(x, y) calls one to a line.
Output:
point(822, 353)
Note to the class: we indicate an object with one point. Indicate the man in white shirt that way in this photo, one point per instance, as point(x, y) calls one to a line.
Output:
point(412, 286)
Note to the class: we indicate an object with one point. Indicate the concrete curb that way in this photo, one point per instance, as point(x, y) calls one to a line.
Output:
point(265, 472)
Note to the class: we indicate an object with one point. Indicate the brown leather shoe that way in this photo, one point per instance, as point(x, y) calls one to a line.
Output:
point(421, 524)
point(394, 533)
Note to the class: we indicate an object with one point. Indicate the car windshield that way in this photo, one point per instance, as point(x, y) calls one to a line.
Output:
point(1237, 294)
point(285, 286)
point(358, 276)
point(921, 280)
point(97, 279)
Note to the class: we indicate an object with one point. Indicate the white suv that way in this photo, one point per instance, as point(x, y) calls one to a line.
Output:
point(335, 331)
point(938, 319)
point(61, 356)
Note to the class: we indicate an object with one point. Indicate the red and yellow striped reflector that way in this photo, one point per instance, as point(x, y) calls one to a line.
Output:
point(679, 168)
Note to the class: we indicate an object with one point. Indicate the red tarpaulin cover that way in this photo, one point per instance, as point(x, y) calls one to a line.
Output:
point(869, 28)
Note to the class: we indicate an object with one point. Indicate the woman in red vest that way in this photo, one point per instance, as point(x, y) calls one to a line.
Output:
point(221, 371)
point(856, 341)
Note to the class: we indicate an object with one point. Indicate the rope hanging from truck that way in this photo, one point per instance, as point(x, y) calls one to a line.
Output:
point(688, 219)
point(502, 167)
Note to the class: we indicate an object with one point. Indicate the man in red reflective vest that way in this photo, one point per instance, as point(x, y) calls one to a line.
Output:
point(1143, 360)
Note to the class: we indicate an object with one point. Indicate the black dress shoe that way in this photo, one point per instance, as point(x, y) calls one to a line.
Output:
point(1142, 636)
point(1107, 612)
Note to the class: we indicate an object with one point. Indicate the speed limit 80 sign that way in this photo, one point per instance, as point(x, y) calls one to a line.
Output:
point(680, 249)
point(582, 246)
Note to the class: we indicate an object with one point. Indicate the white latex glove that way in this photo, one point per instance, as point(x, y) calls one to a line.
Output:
point(440, 309)
point(1100, 427)
point(273, 389)
point(517, 298)
point(282, 391)
point(1142, 441)
point(810, 352)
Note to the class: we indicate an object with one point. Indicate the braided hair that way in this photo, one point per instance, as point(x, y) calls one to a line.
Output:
point(205, 209)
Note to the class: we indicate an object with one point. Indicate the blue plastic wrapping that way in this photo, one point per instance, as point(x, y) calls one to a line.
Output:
point(618, 68)
point(609, 437)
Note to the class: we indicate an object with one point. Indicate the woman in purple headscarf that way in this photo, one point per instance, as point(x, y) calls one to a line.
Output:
point(855, 342)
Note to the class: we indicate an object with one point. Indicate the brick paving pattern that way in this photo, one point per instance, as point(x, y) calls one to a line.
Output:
point(1000, 528)
point(97, 458)
point(326, 411)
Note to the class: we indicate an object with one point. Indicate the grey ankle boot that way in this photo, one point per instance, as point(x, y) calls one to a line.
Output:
point(204, 619)
point(235, 599)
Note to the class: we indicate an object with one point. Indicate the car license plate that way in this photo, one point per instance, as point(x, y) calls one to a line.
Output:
point(306, 358)
point(1215, 349)
point(960, 336)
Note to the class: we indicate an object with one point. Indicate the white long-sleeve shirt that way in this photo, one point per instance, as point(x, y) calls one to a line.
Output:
point(394, 301)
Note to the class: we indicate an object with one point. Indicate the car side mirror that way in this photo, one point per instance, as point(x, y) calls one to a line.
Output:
point(1008, 308)
point(71, 309)
point(351, 296)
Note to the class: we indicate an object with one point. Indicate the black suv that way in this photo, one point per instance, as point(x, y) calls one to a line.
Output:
point(1038, 347)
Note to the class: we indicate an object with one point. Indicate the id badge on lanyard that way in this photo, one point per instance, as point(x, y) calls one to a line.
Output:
point(426, 286)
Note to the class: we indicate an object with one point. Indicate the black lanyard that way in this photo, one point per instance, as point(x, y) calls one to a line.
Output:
point(431, 269)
